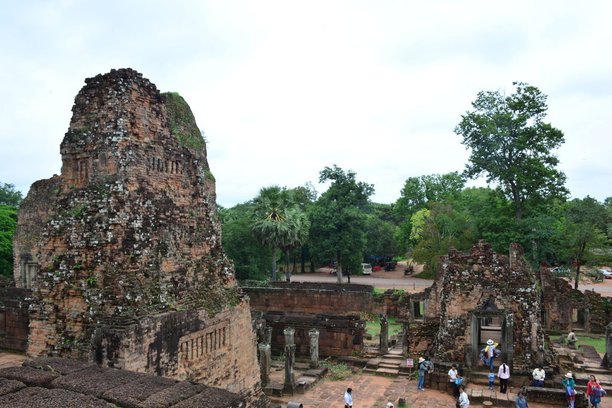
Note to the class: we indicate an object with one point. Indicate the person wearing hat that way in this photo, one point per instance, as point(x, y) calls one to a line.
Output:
point(490, 352)
point(570, 389)
point(390, 405)
point(422, 369)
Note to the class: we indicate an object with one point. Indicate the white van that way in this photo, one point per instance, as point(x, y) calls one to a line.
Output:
point(366, 269)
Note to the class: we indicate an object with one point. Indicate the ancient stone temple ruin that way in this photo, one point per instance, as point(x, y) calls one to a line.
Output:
point(484, 295)
point(123, 250)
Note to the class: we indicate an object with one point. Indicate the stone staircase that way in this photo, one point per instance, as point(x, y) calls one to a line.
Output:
point(391, 364)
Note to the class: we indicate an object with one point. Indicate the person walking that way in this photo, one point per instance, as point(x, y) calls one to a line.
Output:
point(538, 376)
point(463, 401)
point(521, 400)
point(570, 389)
point(503, 374)
point(348, 398)
point(452, 376)
point(594, 391)
point(491, 351)
point(422, 369)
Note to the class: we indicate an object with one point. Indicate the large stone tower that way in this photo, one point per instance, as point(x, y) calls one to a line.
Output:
point(123, 249)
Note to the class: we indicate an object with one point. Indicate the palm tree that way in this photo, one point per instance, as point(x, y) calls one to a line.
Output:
point(279, 223)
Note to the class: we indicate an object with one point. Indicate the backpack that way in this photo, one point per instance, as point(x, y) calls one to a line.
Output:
point(430, 367)
point(598, 392)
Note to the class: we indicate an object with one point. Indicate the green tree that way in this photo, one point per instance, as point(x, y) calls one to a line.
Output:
point(418, 192)
point(512, 145)
point(279, 223)
point(338, 219)
point(436, 230)
point(582, 230)
point(9, 196)
point(8, 223)
point(251, 259)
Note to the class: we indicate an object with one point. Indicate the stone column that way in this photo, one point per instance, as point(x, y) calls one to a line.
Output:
point(314, 348)
point(264, 363)
point(608, 356)
point(268, 335)
point(289, 332)
point(406, 337)
point(384, 335)
point(289, 385)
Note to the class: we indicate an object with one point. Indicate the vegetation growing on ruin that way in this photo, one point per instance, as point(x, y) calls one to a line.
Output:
point(182, 122)
point(336, 371)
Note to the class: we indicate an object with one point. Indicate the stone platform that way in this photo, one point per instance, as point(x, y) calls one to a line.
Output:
point(55, 382)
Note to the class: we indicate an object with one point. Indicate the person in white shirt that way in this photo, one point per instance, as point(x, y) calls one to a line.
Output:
point(452, 376)
point(538, 377)
point(348, 398)
point(503, 374)
point(464, 401)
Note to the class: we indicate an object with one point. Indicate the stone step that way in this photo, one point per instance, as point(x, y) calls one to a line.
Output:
point(391, 361)
point(391, 366)
point(393, 357)
point(387, 371)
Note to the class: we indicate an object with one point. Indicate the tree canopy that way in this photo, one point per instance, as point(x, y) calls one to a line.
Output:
point(338, 229)
point(513, 146)
point(9, 196)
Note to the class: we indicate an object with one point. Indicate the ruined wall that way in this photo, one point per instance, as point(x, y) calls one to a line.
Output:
point(312, 298)
point(128, 232)
point(485, 282)
point(560, 300)
point(334, 310)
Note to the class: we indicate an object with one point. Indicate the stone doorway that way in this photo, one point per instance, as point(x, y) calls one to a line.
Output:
point(494, 325)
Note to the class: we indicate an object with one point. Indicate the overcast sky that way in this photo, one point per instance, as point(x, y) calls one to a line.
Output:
point(285, 88)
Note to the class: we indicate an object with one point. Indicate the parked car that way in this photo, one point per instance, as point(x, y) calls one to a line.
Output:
point(366, 268)
point(606, 273)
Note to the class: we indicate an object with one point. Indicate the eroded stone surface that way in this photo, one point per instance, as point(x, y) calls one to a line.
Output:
point(123, 249)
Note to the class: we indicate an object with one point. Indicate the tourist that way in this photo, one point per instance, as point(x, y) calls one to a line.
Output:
point(521, 400)
point(570, 389)
point(491, 378)
point(538, 377)
point(463, 401)
point(594, 391)
point(491, 351)
point(572, 339)
point(503, 374)
point(348, 398)
point(458, 383)
point(452, 376)
point(390, 405)
point(422, 369)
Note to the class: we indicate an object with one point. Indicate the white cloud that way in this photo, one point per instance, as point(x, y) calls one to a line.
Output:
point(284, 88)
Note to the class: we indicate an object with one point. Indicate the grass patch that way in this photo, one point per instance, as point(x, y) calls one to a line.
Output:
point(182, 121)
point(599, 342)
point(373, 326)
point(336, 371)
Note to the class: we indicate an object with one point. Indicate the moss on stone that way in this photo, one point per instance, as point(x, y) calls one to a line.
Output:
point(182, 122)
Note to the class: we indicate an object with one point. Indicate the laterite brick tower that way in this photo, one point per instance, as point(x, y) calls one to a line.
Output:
point(123, 249)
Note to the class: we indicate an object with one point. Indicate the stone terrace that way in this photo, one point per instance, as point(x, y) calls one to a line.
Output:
point(54, 382)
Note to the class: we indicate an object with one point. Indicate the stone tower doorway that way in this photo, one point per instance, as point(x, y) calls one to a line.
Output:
point(494, 325)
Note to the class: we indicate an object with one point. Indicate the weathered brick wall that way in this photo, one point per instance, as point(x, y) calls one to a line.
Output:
point(14, 318)
point(335, 310)
point(128, 231)
point(466, 282)
point(560, 299)
point(186, 345)
point(309, 298)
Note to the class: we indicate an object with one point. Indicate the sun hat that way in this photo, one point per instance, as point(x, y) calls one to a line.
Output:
point(490, 342)
point(568, 375)
point(421, 359)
